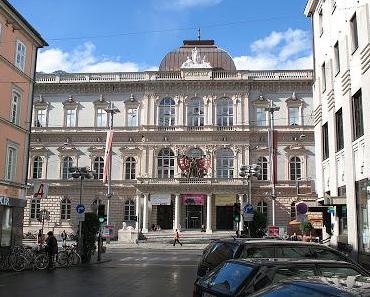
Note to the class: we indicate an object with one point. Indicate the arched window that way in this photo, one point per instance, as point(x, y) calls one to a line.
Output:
point(196, 113)
point(262, 207)
point(292, 211)
point(129, 211)
point(67, 163)
point(94, 206)
point(295, 165)
point(195, 153)
point(166, 163)
point(225, 112)
point(130, 168)
point(35, 208)
point(262, 161)
point(225, 163)
point(99, 167)
point(65, 209)
point(37, 167)
point(167, 112)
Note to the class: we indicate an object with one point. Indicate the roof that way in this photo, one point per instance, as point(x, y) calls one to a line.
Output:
point(284, 261)
point(217, 57)
point(36, 34)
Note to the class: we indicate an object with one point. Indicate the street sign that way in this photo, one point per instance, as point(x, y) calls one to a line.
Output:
point(248, 212)
point(81, 217)
point(107, 231)
point(80, 208)
point(40, 190)
point(273, 231)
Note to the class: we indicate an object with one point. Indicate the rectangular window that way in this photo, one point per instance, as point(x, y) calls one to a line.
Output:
point(354, 33)
point(14, 116)
point(20, 55)
point(358, 125)
point(321, 26)
point(71, 117)
point(363, 211)
point(260, 116)
point(40, 118)
point(336, 58)
point(325, 141)
point(101, 117)
point(323, 77)
point(293, 114)
point(11, 163)
point(6, 226)
point(339, 130)
point(132, 117)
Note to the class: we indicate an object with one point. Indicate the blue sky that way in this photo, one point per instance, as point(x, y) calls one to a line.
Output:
point(126, 35)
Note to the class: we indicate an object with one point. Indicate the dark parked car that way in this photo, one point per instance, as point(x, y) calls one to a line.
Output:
point(245, 277)
point(319, 286)
point(221, 250)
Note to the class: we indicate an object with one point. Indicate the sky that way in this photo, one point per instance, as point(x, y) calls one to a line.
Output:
point(126, 35)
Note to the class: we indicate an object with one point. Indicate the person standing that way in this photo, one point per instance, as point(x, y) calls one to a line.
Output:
point(64, 238)
point(51, 249)
point(176, 238)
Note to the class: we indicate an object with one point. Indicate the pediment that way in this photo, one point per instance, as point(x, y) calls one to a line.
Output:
point(261, 101)
point(294, 100)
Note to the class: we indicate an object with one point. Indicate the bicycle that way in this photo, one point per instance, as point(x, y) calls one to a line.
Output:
point(20, 257)
point(68, 256)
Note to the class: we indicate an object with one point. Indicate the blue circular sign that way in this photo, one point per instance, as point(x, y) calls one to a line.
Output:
point(248, 208)
point(80, 208)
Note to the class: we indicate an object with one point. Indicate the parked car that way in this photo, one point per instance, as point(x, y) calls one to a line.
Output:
point(221, 250)
point(319, 286)
point(244, 277)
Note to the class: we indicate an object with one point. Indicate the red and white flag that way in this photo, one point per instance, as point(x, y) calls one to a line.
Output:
point(108, 146)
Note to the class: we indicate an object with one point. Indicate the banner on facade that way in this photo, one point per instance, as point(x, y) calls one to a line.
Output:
point(193, 199)
point(225, 200)
point(40, 190)
point(160, 199)
point(108, 146)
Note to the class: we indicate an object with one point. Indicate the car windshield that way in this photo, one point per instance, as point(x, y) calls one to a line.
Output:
point(228, 278)
point(338, 271)
point(220, 253)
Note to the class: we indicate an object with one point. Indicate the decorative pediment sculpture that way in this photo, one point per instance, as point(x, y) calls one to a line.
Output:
point(193, 167)
point(195, 61)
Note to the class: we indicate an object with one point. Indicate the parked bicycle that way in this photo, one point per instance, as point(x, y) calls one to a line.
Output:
point(68, 256)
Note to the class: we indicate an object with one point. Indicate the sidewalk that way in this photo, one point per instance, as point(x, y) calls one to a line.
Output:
point(114, 245)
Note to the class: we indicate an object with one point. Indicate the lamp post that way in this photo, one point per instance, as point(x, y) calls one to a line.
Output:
point(81, 173)
point(247, 171)
point(272, 152)
point(111, 110)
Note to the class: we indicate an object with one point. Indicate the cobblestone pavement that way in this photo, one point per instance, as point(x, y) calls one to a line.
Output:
point(125, 272)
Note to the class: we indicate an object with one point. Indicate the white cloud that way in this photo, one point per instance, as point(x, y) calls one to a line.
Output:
point(279, 50)
point(181, 4)
point(83, 59)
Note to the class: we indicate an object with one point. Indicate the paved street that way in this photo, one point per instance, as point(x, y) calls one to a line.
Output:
point(129, 273)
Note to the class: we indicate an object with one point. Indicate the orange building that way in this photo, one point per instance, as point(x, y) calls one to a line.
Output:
point(19, 43)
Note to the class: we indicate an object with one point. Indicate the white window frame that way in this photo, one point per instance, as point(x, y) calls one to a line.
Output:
point(225, 163)
point(262, 207)
point(129, 210)
point(224, 112)
point(40, 113)
point(35, 211)
point(15, 106)
point(132, 117)
point(65, 209)
point(20, 55)
point(290, 117)
point(65, 169)
point(71, 117)
point(101, 117)
point(195, 113)
point(99, 167)
point(11, 165)
point(167, 167)
point(38, 169)
point(260, 112)
point(130, 168)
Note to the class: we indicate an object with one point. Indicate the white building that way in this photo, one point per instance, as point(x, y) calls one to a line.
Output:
point(197, 104)
point(341, 35)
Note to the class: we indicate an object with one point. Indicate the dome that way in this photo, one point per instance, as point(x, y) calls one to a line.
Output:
point(216, 57)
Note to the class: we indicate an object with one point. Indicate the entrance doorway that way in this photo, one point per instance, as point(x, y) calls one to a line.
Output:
point(194, 216)
point(164, 216)
point(224, 218)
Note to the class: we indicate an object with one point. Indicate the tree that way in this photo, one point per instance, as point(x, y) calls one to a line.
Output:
point(258, 226)
point(89, 229)
point(306, 227)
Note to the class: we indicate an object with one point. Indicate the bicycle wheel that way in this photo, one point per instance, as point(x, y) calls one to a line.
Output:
point(74, 258)
point(17, 262)
point(63, 258)
point(41, 261)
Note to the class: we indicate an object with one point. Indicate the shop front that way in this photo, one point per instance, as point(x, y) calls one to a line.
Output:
point(363, 215)
point(164, 207)
point(194, 210)
point(224, 211)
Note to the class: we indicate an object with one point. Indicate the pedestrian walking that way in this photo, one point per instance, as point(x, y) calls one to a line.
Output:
point(64, 237)
point(51, 249)
point(176, 238)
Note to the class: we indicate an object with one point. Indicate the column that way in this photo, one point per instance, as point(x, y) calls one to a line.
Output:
point(176, 224)
point(137, 213)
point(241, 223)
point(145, 214)
point(209, 214)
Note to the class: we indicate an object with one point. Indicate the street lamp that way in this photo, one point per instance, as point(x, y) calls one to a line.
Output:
point(271, 109)
point(81, 173)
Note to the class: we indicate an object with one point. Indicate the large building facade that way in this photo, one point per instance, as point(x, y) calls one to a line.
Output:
point(342, 116)
point(197, 105)
point(19, 42)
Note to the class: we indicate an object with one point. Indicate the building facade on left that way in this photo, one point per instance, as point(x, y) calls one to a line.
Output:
point(19, 43)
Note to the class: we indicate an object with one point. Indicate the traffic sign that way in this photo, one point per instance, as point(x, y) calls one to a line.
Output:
point(81, 217)
point(80, 208)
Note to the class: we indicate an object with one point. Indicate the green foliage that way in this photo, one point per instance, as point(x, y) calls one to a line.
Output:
point(89, 229)
point(259, 225)
point(306, 227)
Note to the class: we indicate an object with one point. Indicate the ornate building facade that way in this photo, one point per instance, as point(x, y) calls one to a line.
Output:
point(197, 107)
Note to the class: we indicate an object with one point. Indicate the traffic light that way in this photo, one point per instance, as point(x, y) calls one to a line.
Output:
point(101, 214)
point(236, 212)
